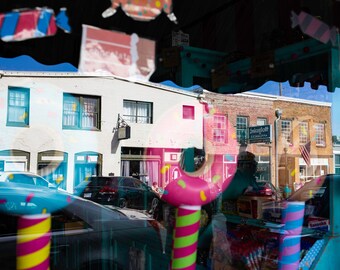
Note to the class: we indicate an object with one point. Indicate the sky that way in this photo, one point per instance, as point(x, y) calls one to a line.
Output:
point(273, 88)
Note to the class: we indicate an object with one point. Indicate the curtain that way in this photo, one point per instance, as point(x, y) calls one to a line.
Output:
point(125, 168)
point(150, 169)
point(89, 117)
point(142, 112)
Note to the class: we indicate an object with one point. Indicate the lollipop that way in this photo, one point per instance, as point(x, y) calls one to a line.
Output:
point(189, 193)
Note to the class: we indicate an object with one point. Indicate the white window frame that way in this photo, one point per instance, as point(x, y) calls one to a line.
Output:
point(319, 129)
point(286, 130)
point(303, 132)
point(220, 128)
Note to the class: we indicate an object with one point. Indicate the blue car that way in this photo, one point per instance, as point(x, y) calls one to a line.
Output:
point(84, 234)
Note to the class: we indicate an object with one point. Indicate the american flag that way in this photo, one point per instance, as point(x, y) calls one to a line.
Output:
point(305, 152)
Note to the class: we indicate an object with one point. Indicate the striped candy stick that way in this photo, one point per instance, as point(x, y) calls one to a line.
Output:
point(185, 237)
point(289, 248)
point(33, 242)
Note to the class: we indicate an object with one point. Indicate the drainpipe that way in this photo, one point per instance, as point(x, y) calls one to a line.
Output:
point(278, 114)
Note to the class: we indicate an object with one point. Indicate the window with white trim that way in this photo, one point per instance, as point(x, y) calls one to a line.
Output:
point(286, 130)
point(319, 129)
point(261, 121)
point(303, 132)
point(220, 129)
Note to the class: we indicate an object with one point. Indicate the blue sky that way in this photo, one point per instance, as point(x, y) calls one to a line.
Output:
point(306, 92)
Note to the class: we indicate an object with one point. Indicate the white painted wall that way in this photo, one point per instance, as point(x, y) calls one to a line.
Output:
point(46, 103)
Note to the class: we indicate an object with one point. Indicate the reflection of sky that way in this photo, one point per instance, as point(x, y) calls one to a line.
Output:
point(273, 88)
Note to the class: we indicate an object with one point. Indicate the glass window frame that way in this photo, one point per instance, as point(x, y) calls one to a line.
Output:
point(220, 129)
point(135, 117)
point(320, 134)
point(242, 129)
point(79, 112)
point(263, 119)
point(25, 107)
point(303, 132)
point(286, 129)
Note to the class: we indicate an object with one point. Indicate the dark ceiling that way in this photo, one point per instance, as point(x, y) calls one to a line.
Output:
point(239, 27)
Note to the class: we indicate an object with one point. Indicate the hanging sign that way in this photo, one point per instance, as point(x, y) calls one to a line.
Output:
point(260, 134)
point(127, 56)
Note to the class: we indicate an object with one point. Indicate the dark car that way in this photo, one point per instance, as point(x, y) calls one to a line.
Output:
point(84, 234)
point(120, 191)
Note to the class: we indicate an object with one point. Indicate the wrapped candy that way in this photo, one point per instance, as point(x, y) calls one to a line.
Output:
point(142, 10)
point(24, 24)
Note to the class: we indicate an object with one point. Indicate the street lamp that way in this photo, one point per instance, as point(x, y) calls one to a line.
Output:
point(278, 113)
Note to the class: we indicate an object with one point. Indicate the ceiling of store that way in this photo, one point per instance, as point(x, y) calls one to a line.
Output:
point(241, 28)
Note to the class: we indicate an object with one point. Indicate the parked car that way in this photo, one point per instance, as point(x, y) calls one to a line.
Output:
point(85, 235)
point(120, 191)
point(25, 178)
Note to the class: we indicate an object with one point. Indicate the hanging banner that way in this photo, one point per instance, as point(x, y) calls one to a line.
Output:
point(142, 10)
point(127, 56)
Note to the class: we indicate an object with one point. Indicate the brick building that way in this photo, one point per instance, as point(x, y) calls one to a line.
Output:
point(302, 121)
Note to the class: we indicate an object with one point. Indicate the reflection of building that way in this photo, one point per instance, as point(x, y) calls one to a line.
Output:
point(336, 151)
point(301, 122)
point(304, 122)
point(64, 127)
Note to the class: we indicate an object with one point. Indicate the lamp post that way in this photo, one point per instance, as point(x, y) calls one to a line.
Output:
point(278, 113)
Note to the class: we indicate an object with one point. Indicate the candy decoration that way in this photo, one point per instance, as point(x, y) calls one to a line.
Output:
point(289, 250)
point(32, 23)
point(143, 10)
point(185, 237)
point(34, 240)
point(313, 27)
point(189, 192)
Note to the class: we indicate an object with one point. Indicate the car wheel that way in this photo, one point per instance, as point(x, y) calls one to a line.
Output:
point(122, 203)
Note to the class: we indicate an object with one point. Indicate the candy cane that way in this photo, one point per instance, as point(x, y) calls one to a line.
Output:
point(33, 242)
point(189, 192)
point(289, 249)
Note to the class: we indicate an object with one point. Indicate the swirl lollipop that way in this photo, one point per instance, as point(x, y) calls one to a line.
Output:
point(189, 193)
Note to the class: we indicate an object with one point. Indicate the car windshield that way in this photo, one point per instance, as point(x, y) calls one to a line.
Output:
point(27, 179)
point(103, 181)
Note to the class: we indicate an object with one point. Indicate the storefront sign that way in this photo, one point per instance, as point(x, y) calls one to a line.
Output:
point(260, 134)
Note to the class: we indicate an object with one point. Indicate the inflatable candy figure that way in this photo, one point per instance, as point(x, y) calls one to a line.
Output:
point(142, 10)
point(189, 192)
point(32, 23)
